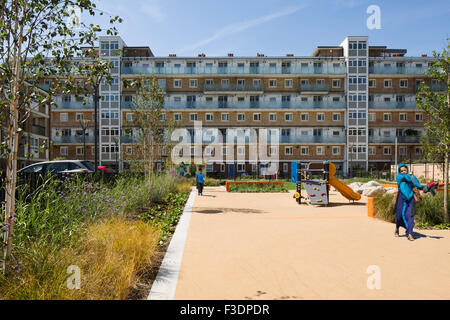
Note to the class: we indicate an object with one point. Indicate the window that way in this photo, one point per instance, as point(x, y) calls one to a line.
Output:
point(285, 167)
point(288, 116)
point(256, 82)
point(241, 83)
point(63, 151)
point(225, 83)
point(321, 117)
point(418, 151)
point(336, 151)
point(241, 167)
point(336, 99)
point(79, 116)
point(388, 83)
point(336, 117)
point(336, 134)
point(336, 83)
point(372, 150)
point(403, 117)
point(209, 117)
point(419, 117)
point(224, 151)
point(403, 83)
point(162, 117)
point(177, 116)
point(273, 151)
point(193, 83)
point(222, 167)
point(402, 151)
point(387, 117)
point(304, 151)
point(288, 83)
point(320, 151)
point(372, 83)
point(130, 117)
point(257, 117)
point(241, 117)
point(272, 83)
point(372, 117)
point(288, 151)
point(224, 116)
point(304, 116)
point(193, 117)
point(272, 117)
point(177, 83)
point(241, 151)
point(387, 151)
point(63, 117)
point(80, 151)
point(209, 82)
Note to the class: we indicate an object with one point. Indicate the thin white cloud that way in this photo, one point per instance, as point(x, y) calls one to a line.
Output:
point(241, 26)
point(154, 11)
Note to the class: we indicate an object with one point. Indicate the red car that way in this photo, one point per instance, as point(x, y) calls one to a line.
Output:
point(105, 169)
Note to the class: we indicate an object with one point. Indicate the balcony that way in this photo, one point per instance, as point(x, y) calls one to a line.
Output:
point(74, 105)
point(72, 140)
point(39, 130)
point(391, 140)
point(410, 105)
point(219, 88)
point(250, 105)
point(313, 139)
point(437, 87)
point(233, 70)
point(398, 70)
point(314, 88)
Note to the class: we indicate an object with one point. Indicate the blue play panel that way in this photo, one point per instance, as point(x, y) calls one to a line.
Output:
point(317, 191)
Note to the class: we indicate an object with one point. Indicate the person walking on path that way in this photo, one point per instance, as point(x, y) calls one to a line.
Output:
point(182, 169)
point(405, 206)
point(200, 181)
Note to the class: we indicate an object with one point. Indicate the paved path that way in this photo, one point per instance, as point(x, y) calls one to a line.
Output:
point(266, 246)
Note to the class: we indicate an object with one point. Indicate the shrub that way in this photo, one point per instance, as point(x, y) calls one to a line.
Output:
point(429, 212)
point(256, 187)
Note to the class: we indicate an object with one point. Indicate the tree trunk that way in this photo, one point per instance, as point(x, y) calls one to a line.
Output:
point(13, 145)
point(446, 215)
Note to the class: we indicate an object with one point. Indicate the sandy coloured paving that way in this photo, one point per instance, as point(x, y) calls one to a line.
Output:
point(266, 246)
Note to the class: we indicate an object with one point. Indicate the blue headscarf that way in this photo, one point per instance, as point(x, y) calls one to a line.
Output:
point(400, 175)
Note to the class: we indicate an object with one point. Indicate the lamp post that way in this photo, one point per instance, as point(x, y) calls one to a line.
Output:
point(116, 140)
point(84, 125)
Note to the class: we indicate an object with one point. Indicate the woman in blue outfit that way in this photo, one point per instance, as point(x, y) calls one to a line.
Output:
point(405, 206)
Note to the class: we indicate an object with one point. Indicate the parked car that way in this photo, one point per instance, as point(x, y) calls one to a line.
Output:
point(60, 166)
point(105, 169)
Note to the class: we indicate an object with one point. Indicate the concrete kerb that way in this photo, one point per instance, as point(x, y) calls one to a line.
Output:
point(165, 284)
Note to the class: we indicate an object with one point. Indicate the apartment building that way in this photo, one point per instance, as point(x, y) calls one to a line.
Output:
point(351, 104)
point(34, 139)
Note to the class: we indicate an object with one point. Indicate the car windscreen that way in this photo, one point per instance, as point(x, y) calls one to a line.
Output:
point(57, 167)
point(88, 165)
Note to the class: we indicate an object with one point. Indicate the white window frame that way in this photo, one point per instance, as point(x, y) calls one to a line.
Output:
point(319, 114)
point(191, 81)
point(322, 152)
point(63, 151)
point(288, 115)
point(288, 83)
point(302, 148)
point(193, 114)
point(227, 116)
point(372, 117)
point(61, 118)
point(270, 116)
point(304, 114)
point(243, 117)
point(290, 149)
point(405, 117)
point(333, 148)
point(421, 117)
point(384, 83)
point(338, 116)
point(259, 116)
point(387, 148)
point(404, 86)
point(79, 151)
point(372, 150)
point(273, 83)
point(175, 115)
point(211, 115)
point(338, 83)
point(387, 114)
point(175, 81)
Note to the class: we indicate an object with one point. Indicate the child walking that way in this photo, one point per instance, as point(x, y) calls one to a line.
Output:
point(200, 181)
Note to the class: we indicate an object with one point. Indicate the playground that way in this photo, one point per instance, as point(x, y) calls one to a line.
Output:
point(266, 246)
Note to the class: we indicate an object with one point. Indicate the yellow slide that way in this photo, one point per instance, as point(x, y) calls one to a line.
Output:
point(340, 186)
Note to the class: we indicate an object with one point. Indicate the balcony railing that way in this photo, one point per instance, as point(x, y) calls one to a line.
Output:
point(437, 87)
point(232, 88)
point(312, 139)
point(402, 139)
point(72, 139)
point(40, 130)
point(392, 105)
point(74, 105)
point(251, 105)
point(398, 70)
point(234, 70)
point(314, 88)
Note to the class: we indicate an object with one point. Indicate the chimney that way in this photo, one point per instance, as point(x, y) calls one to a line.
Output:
point(289, 55)
point(172, 55)
point(230, 54)
point(424, 55)
point(201, 55)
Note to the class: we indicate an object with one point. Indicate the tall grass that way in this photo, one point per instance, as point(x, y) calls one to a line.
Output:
point(81, 222)
point(255, 187)
point(110, 254)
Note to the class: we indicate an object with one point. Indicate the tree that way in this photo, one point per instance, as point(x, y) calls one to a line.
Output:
point(150, 121)
point(37, 41)
point(433, 99)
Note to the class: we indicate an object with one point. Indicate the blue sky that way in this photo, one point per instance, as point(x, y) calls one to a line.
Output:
point(276, 27)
